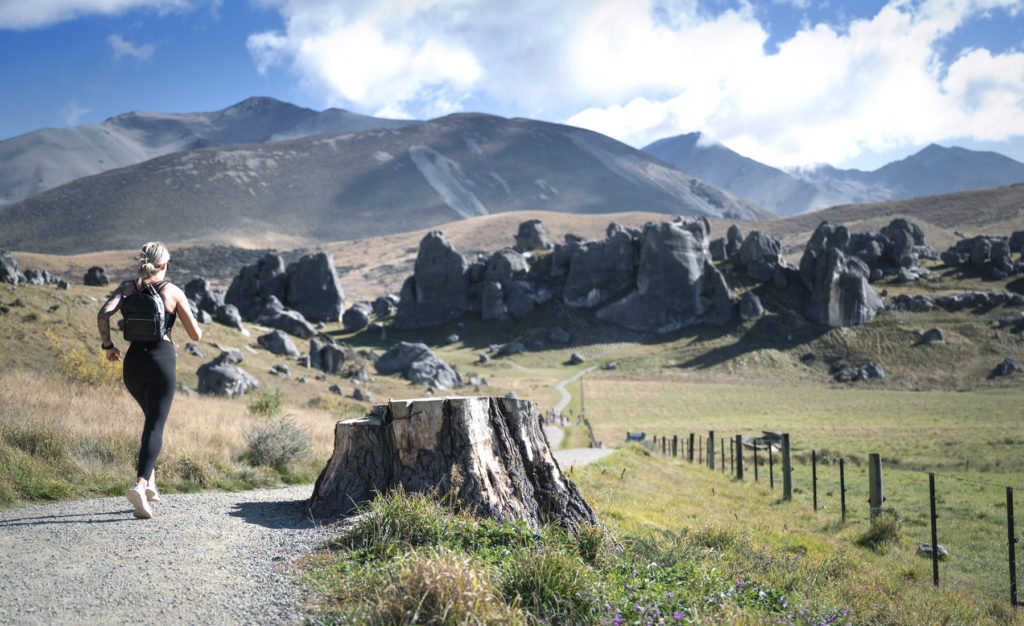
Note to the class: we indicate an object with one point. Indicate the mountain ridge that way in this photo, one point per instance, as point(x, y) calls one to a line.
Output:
point(353, 185)
point(933, 170)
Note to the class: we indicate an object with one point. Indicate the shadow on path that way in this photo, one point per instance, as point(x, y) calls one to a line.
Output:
point(279, 515)
point(66, 518)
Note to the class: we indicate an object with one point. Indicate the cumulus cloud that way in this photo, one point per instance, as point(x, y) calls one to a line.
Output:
point(641, 71)
point(127, 48)
point(27, 14)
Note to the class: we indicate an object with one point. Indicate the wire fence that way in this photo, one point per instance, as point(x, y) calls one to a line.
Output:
point(966, 527)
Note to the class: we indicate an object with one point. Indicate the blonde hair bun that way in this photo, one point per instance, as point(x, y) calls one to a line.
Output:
point(152, 257)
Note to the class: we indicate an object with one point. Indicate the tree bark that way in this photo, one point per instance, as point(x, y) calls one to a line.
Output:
point(487, 456)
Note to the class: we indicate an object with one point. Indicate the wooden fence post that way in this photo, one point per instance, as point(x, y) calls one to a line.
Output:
point(739, 457)
point(692, 450)
point(787, 469)
point(875, 497)
point(1012, 539)
point(711, 449)
point(675, 446)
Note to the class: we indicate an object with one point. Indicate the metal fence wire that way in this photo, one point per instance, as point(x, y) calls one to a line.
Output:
point(966, 531)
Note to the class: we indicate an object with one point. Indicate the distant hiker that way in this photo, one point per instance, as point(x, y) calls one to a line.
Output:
point(149, 305)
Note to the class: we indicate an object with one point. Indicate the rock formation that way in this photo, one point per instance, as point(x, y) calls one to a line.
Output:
point(532, 236)
point(277, 342)
point(417, 364)
point(9, 269)
point(437, 292)
point(841, 294)
point(488, 456)
point(309, 286)
point(96, 276)
point(220, 377)
point(676, 283)
point(987, 256)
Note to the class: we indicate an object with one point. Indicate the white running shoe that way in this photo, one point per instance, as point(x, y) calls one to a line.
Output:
point(137, 496)
point(151, 493)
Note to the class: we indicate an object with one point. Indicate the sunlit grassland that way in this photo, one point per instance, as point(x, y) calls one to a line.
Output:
point(812, 555)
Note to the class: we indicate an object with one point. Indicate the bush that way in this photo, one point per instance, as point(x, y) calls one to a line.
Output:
point(442, 588)
point(396, 520)
point(76, 366)
point(549, 583)
point(278, 443)
point(884, 531)
point(268, 403)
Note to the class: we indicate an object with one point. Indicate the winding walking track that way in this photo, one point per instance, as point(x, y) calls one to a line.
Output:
point(212, 558)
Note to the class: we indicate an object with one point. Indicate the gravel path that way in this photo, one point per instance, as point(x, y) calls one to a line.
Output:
point(565, 395)
point(209, 558)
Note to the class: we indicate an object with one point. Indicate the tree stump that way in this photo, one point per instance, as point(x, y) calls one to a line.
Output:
point(488, 456)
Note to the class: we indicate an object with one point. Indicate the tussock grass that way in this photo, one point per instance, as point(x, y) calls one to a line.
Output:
point(60, 439)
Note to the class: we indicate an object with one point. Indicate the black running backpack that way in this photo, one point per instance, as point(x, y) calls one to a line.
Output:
point(143, 313)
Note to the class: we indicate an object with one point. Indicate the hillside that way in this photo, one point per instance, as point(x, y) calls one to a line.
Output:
point(328, 188)
point(931, 171)
point(43, 159)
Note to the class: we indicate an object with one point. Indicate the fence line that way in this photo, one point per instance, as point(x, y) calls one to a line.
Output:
point(876, 498)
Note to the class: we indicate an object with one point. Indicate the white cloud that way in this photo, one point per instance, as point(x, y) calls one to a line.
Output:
point(127, 48)
point(27, 14)
point(73, 113)
point(639, 71)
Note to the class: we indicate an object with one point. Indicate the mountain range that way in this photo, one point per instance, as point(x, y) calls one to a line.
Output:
point(933, 170)
point(300, 192)
point(43, 159)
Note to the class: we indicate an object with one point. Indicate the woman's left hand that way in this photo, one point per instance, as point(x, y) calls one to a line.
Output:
point(113, 354)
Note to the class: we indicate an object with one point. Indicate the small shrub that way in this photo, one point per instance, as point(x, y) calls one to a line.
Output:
point(550, 584)
point(267, 404)
point(396, 520)
point(713, 537)
point(76, 366)
point(589, 539)
point(883, 532)
point(277, 444)
point(442, 588)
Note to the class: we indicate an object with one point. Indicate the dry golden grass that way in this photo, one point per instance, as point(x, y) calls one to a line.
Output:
point(61, 439)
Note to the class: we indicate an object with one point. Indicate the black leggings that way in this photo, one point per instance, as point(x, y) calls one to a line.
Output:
point(149, 376)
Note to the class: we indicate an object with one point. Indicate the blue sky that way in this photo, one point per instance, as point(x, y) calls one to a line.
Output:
point(787, 82)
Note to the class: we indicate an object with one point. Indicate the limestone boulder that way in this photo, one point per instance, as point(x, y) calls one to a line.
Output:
point(357, 316)
point(228, 315)
point(206, 298)
point(839, 285)
point(416, 363)
point(600, 270)
point(220, 378)
point(278, 342)
point(750, 306)
point(255, 284)
point(761, 255)
point(326, 355)
point(9, 269)
point(96, 276)
point(275, 315)
point(532, 236)
point(438, 290)
point(312, 288)
point(676, 282)
point(385, 306)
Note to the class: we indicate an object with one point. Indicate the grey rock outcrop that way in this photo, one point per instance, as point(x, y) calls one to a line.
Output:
point(576, 358)
point(292, 322)
point(437, 292)
point(417, 364)
point(34, 277)
point(326, 355)
point(761, 256)
point(988, 256)
point(750, 306)
point(1005, 367)
point(676, 282)
point(513, 347)
point(207, 299)
point(385, 306)
point(532, 236)
point(255, 284)
point(492, 301)
point(932, 335)
point(864, 372)
point(96, 276)
point(312, 288)
point(841, 294)
point(309, 286)
point(219, 377)
point(559, 335)
point(600, 270)
point(228, 315)
point(357, 316)
point(733, 240)
point(277, 342)
point(9, 269)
